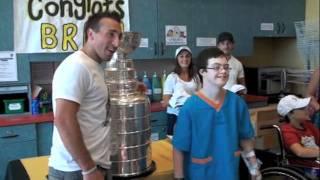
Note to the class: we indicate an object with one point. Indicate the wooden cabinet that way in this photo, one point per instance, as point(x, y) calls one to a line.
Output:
point(23, 141)
point(207, 21)
point(202, 18)
point(143, 19)
point(158, 125)
point(263, 116)
point(238, 21)
point(44, 138)
point(207, 18)
point(16, 142)
point(279, 14)
point(150, 18)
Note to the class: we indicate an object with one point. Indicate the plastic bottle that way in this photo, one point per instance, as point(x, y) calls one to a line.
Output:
point(35, 103)
point(163, 79)
point(147, 83)
point(156, 88)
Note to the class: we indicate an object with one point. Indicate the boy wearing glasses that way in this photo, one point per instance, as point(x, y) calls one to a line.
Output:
point(211, 125)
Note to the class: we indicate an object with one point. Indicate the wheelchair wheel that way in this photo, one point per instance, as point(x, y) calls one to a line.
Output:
point(281, 173)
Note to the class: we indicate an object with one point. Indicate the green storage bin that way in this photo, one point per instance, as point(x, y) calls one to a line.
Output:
point(13, 106)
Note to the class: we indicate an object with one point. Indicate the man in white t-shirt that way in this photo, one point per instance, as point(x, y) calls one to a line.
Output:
point(225, 43)
point(81, 134)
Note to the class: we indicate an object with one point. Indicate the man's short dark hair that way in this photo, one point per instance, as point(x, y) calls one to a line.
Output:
point(94, 19)
point(225, 36)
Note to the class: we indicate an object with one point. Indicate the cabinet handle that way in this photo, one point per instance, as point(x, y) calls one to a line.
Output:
point(278, 28)
point(155, 48)
point(283, 28)
point(162, 48)
point(9, 134)
point(154, 120)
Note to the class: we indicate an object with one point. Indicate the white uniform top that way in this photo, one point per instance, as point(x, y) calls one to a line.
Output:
point(81, 79)
point(235, 73)
point(179, 90)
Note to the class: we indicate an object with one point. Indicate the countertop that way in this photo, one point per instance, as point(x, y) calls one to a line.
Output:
point(27, 118)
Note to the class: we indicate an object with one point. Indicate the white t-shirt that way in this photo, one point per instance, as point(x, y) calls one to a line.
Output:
point(235, 73)
point(81, 79)
point(179, 90)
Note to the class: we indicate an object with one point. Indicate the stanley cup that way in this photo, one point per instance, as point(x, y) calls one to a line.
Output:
point(129, 113)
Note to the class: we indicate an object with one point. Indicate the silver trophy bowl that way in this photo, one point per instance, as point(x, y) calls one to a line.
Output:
point(131, 154)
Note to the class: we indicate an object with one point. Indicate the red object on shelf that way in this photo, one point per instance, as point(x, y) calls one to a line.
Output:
point(256, 101)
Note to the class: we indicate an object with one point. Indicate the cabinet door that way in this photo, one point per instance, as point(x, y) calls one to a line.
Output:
point(208, 21)
point(44, 138)
point(158, 132)
point(264, 12)
point(282, 14)
point(173, 12)
point(15, 151)
point(291, 11)
point(16, 142)
point(238, 15)
point(159, 118)
point(143, 19)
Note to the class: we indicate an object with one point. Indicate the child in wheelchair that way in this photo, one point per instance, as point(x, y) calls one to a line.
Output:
point(301, 137)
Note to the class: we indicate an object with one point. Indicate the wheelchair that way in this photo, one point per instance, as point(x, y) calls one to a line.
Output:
point(276, 165)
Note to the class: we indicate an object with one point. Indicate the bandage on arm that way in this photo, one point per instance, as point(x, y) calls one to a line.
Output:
point(253, 164)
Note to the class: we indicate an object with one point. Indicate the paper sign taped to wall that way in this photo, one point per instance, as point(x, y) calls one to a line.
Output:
point(8, 66)
point(144, 43)
point(206, 41)
point(266, 27)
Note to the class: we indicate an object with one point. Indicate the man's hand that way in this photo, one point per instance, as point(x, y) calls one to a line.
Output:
point(96, 175)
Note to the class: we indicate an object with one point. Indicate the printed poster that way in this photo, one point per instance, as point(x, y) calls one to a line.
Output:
point(176, 35)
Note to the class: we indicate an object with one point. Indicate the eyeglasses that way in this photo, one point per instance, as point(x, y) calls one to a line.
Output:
point(217, 67)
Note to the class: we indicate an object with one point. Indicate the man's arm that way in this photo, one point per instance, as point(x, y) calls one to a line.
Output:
point(66, 122)
point(178, 164)
point(242, 81)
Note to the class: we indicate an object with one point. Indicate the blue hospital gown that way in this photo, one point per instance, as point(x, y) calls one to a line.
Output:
point(202, 132)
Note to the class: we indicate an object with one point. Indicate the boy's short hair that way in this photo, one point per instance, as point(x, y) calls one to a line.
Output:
point(206, 54)
point(93, 21)
point(225, 36)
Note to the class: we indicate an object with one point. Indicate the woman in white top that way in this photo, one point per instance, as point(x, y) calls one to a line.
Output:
point(179, 85)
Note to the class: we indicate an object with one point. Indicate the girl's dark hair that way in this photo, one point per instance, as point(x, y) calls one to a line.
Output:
point(192, 71)
point(93, 21)
point(205, 55)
